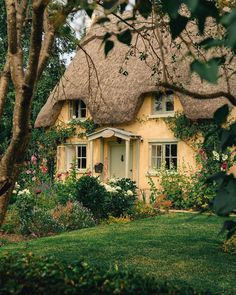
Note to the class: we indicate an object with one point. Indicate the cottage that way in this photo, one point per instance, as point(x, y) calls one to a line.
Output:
point(120, 93)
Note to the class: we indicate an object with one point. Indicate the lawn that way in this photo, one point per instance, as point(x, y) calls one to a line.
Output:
point(172, 247)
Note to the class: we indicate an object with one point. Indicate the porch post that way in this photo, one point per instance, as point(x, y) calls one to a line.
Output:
point(91, 155)
point(127, 153)
point(102, 155)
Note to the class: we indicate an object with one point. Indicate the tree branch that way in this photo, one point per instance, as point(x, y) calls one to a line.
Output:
point(196, 95)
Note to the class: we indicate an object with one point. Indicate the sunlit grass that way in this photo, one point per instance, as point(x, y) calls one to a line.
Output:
point(171, 247)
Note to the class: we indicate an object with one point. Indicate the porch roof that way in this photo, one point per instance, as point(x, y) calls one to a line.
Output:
point(109, 132)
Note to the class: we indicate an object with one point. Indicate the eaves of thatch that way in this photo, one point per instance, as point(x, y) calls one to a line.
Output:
point(113, 87)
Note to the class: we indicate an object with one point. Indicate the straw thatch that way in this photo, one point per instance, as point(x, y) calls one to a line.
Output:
point(113, 88)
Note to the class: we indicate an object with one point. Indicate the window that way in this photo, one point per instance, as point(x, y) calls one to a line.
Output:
point(81, 156)
point(163, 103)
point(163, 153)
point(78, 109)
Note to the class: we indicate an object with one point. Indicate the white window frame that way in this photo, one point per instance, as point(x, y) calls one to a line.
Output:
point(163, 154)
point(165, 97)
point(73, 110)
point(81, 157)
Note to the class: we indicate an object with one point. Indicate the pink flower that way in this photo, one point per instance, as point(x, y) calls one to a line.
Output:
point(89, 173)
point(28, 171)
point(38, 191)
point(34, 178)
point(33, 159)
point(223, 166)
point(201, 151)
point(44, 169)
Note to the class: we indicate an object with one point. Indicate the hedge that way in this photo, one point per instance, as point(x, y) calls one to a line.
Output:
point(28, 274)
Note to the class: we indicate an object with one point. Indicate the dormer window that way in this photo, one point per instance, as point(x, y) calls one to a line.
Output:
point(78, 109)
point(163, 103)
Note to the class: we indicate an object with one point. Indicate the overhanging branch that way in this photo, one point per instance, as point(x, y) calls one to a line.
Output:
point(198, 95)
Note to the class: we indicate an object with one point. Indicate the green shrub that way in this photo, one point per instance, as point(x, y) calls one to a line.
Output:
point(11, 222)
point(121, 196)
point(43, 224)
point(73, 216)
point(92, 195)
point(26, 274)
point(143, 210)
point(119, 203)
point(229, 245)
point(65, 191)
point(24, 205)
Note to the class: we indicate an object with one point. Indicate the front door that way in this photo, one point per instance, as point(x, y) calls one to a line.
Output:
point(117, 160)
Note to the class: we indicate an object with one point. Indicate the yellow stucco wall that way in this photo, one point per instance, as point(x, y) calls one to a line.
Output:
point(148, 128)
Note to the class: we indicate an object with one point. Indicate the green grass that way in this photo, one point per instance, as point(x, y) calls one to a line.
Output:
point(168, 247)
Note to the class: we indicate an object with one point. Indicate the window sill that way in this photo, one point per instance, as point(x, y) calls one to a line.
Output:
point(77, 119)
point(162, 115)
point(152, 173)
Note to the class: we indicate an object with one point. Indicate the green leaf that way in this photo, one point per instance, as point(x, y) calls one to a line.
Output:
point(106, 37)
point(192, 4)
point(208, 70)
point(177, 25)
point(221, 114)
point(225, 201)
point(203, 10)
point(210, 42)
point(171, 7)
point(110, 4)
point(144, 7)
point(108, 46)
point(125, 37)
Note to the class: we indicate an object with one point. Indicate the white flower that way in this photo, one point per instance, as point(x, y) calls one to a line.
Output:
point(118, 188)
point(216, 156)
point(129, 193)
point(224, 157)
point(24, 192)
point(17, 185)
point(14, 191)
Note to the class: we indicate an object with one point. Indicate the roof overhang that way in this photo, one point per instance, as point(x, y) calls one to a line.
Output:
point(110, 132)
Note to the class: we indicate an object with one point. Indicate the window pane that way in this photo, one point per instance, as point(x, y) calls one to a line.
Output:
point(79, 163)
point(76, 108)
point(159, 148)
point(154, 150)
point(158, 104)
point(79, 151)
point(169, 103)
point(167, 160)
point(84, 151)
point(167, 149)
point(156, 163)
point(174, 150)
point(83, 163)
point(83, 113)
point(82, 104)
point(174, 162)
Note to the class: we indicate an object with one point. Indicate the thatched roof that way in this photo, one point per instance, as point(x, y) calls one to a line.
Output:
point(113, 88)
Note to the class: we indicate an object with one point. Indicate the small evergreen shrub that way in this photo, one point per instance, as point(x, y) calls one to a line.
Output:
point(92, 195)
point(26, 275)
point(73, 216)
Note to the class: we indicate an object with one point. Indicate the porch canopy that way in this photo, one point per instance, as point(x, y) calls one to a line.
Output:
point(109, 132)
